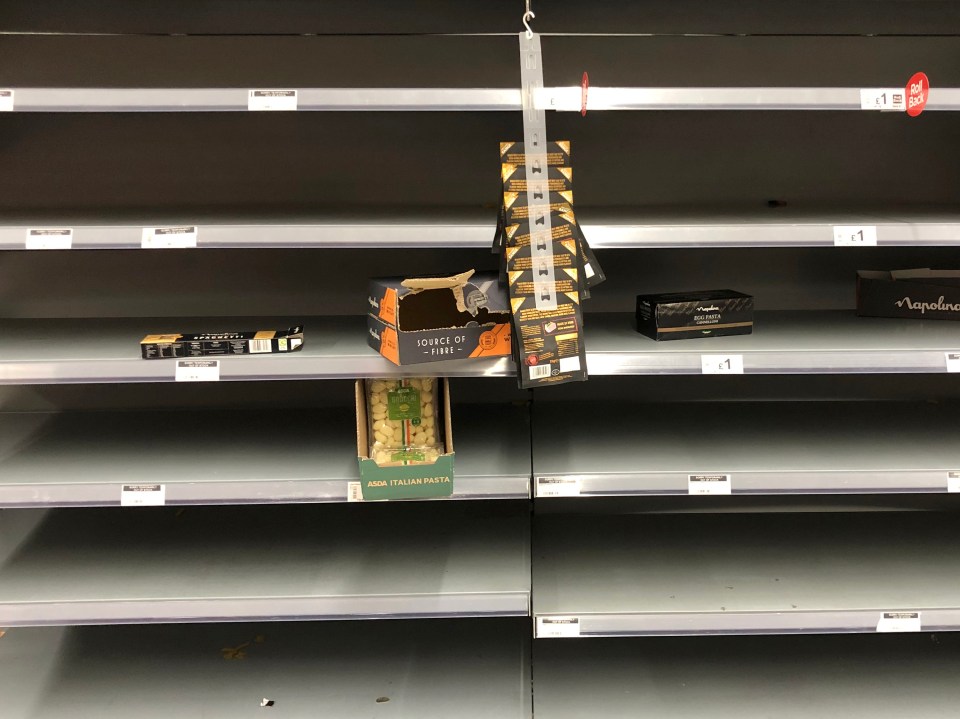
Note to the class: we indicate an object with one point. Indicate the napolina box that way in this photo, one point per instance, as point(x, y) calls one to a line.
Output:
point(921, 294)
point(430, 319)
point(686, 315)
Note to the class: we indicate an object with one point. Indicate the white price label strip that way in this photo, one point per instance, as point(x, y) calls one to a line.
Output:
point(354, 492)
point(198, 371)
point(709, 484)
point(721, 364)
point(891, 99)
point(159, 238)
point(272, 100)
point(558, 627)
point(953, 482)
point(899, 622)
point(6, 100)
point(558, 487)
point(49, 239)
point(143, 495)
point(953, 361)
point(855, 236)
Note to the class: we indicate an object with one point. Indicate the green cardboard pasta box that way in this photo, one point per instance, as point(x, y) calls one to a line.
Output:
point(413, 481)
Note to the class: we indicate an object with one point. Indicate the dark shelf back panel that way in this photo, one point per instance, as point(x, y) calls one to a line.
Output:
point(482, 16)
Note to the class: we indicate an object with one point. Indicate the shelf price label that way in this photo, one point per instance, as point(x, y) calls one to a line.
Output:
point(953, 361)
point(557, 487)
point(354, 492)
point(953, 482)
point(709, 484)
point(899, 622)
point(198, 371)
point(272, 100)
point(855, 235)
point(6, 100)
point(143, 495)
point(548, 627)
point(161, 238)
point(49, 239)
point(721, 364)
point(885, 99)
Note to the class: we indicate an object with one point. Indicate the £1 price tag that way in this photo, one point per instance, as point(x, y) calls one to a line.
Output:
point(6, 100)
point(889, 99)
point(855, 235)
point(953, 361)
point(721, 364)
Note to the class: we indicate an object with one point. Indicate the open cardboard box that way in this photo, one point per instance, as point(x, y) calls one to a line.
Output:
point(921, 294)
point(430, 319)
point(413, 481)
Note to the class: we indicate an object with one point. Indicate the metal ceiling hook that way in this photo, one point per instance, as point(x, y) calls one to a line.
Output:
point(527, 17)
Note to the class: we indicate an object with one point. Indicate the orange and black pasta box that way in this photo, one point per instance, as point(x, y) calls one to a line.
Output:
point(430, 319)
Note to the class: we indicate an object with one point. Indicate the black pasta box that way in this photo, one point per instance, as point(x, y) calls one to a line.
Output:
point(686, 315)
point(208, 344)
point(921, 294)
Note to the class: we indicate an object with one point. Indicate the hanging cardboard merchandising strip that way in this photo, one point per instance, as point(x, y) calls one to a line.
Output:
point(516, 199)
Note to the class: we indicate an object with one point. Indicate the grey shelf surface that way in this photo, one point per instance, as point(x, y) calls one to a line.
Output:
point(866, 677)
point(765, 447)
point(746, 574)
point(236, 457)
point(470, 228)
point(414, 669)
point(322, 561)
point(47, 351)
point(789, 342)
point(454, 99)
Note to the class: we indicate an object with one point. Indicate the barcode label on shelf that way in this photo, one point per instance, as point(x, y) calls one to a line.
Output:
point(354, 492)
point(709, 484)
point(855, 235)
point(55, 239)
point(953, 482)
point(953, 361)
point(721, 364)
point(899, 622)
point(539, 371)
point(6, 100)
point(557, 487)
point(272, 100)
point(558, 627)
point(198, 371)
point(143, 495)
point(161, 238)
point(890, 99)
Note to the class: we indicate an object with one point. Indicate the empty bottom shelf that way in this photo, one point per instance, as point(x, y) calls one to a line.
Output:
point(413, 670)
point(798, 677)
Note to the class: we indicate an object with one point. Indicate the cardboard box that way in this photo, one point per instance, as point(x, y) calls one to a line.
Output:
point(686, 315)
point(922, 294)
point(413, 481)
point(430, 319)
point(209, 344)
